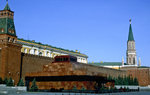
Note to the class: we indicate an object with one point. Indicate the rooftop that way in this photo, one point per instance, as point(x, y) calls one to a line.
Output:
point(40, 45)
point(106, 63)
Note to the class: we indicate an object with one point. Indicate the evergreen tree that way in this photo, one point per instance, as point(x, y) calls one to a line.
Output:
point(128, 89)
point(119, 80)
point(34, 86)
point(102, 89)
point(74, 88)
point(1, 81)
point(109, 77)
point(136, 81)
point(127, 82)
point(131, 82)
point(10, 82)
point(116, 81)
point(5, 81)
point(20, 83)
point(83, 88)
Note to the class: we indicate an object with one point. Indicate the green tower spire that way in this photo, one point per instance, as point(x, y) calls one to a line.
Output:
point(7, 7)
point(7, 21)
point(130, 36)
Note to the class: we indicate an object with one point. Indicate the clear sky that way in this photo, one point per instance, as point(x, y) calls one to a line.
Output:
point(97, 28)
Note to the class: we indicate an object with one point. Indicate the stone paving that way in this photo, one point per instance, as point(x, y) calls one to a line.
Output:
point(14, 91)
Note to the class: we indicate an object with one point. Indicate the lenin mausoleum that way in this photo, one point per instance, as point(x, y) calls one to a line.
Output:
point(57, 68)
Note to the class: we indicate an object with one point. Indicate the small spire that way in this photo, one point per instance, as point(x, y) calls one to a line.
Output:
point(7, 6)
point(130, 36)
point(130, 20)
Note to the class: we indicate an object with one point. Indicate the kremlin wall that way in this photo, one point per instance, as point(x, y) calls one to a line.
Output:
point(54, 67)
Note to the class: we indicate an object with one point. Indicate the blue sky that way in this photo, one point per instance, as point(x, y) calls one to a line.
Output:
point(97, 28)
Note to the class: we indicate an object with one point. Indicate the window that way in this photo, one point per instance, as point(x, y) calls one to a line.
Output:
point(40, 54)
point(9, 39)
point(14, 41)
point(9, 31)
point(2, 30)
point(133, 60)
point(35, 51)
point(12, 32)
point(47, 54)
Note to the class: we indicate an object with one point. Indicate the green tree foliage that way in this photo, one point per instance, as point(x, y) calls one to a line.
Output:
point(34, 86)
point(20, 83)
point(102, 88)
point(109, 77)
point(10, 82)
point(1, 81)
point(83, 88)
point(124, 80)
point(5, 81)
point(136, 81)
point(74, 88)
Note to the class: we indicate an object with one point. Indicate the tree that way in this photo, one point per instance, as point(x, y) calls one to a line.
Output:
point(116, 81)
point(10, 82)
point(102, 89)
point(125, 81)
point(5, 81)
point(74, 88)
point(131, 82)
point(34, 86)
point(109, 77)
point(120, 80)
point(83, 89)
point(1, 81)
point(20, 83)
point(136, 81)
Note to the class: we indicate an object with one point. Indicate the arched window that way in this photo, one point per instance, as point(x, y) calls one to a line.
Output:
point(133, 60)
point(35, 51)
point(2, 30)
point(47, 54)
point(40, 54)
point(9, 39)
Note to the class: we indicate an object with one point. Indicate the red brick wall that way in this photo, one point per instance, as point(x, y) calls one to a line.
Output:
point(142, 74)
point(10, 59)
point(33, 63)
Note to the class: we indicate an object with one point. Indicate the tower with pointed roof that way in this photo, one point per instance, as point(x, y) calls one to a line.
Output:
point(7, 21)
point(131, 51)
point(10, 54)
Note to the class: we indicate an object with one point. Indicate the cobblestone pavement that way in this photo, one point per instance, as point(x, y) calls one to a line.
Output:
point(42, 93)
